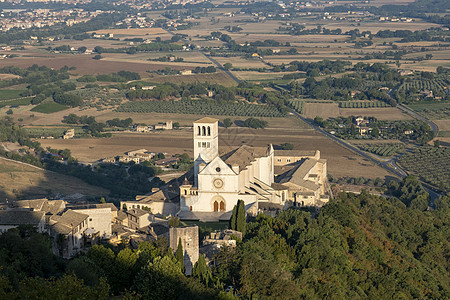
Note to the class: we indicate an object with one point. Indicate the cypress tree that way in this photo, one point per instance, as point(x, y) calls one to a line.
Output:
point(233, 218)
point(202, 271)
point(240, 217)
point(179, 255)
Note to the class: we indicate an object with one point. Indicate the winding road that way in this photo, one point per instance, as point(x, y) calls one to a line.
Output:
point(389, 165)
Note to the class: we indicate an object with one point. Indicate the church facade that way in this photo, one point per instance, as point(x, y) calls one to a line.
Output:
point(249, 174)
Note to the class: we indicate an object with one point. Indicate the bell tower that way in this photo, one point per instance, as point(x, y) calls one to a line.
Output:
point(206, 142)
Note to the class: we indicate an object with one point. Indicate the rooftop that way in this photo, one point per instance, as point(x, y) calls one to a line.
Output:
point(70, 218)
point(207, 120)
point(244, 156)
point(295, 153)
point(20, 217)
point(137, 212)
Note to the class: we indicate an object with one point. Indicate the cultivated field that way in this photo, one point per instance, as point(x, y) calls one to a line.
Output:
point(341, 162)
point(20, 180)
point(332, 110)
point(443, 125)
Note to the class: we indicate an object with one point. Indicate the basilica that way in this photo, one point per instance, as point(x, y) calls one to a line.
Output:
point(260, 176)
point(266, 179)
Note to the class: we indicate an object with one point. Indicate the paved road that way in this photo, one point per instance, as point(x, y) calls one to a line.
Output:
point(422, 118)
point(212, 60)
point(220, 66)
point(389, 165)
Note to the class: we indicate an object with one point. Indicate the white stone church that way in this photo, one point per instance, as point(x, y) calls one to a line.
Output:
point(248, 173)
point(264, 178)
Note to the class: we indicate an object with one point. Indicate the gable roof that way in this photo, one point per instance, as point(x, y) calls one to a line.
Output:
point(21, 217)
point(311, 153)
point(70, 218)
point(207, 120)
point(297, 175)
point(36, 204)
point(244, 156)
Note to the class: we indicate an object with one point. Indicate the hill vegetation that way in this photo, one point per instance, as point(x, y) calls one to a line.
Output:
point(356, 246)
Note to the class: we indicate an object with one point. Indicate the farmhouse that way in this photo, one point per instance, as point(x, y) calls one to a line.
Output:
point(69, 134)
point(164, 125)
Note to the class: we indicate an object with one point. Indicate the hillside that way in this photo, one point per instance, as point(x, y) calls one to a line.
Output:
point(19, 180)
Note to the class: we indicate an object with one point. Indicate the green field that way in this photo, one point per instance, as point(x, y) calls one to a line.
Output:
point(10, 94)
point(432, 109)
point(201, 107)
point(444, 134)
point(17, 102)
point(50, 107)
point(431, 164)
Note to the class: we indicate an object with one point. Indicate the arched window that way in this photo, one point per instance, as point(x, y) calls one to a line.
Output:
point(199, 130)
point(204, 130)
point(222, 206)
point(185, 192)
point(209, 131)
point(190, 207)
point(216, 206)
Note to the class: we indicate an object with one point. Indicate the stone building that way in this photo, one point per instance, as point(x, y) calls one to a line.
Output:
point(247, 173)
point(189, 242)
point(13, 219)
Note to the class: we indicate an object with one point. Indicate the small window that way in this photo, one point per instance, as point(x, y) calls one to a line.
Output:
point(288, 160)
point(218, 170)
point(204, 144)
point(279, 159)
point(208, 145)
point(90, 219)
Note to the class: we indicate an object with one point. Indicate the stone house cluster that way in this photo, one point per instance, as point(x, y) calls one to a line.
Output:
point(71, 227)
point(138, 156)
point(168, 125)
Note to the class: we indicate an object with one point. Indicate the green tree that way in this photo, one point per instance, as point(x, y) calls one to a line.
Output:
point(159, 280)
point(233, 218)
point(287, 146)
point(227, 66)
point(179, 255)
point(240, 218)
point(227, 122)
point(202, 271)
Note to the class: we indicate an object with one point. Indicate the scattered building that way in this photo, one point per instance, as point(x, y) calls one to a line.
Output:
point(69, 134)
point(164, 126)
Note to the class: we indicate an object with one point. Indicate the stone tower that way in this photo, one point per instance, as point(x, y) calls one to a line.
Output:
point(206, 143)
